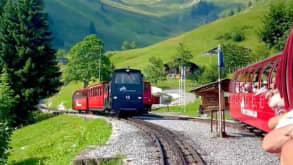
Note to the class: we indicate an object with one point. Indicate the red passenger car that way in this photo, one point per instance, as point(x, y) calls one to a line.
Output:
point(92, 98)
point(247, 100)
point(248, 88)
point(79, 100)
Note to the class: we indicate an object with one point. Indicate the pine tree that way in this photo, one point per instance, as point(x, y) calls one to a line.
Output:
point(6, 102)
point(6, 97)
point(2, 3)
point(26, 51)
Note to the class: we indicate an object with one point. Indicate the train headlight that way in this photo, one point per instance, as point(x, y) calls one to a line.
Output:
point(139, 98)
point(115, 97)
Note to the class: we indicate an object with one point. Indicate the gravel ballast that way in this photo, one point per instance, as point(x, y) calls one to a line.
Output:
point(241, 148)
point(129, 142)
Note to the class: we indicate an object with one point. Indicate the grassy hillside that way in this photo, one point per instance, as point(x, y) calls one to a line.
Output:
point(64, 96)
point(116, 21)
point(56, 140)
point(199, 40)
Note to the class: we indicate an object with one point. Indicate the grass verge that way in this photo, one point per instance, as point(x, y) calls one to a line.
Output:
point(64, 96)
point(190, 109)
point(57, 140)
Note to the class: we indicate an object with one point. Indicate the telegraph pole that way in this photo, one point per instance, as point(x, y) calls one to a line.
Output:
point(100, 63)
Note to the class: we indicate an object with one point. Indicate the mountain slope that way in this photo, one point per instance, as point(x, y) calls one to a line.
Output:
point(115, 21)
point(197, 41)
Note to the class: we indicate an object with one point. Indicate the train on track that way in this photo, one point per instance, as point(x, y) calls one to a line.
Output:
point(126, 92)
point(248, 100)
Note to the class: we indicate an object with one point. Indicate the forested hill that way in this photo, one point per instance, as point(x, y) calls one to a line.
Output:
point(145, 22)
point(201, 40)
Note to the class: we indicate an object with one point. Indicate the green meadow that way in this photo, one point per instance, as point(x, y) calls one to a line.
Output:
point(56, 140)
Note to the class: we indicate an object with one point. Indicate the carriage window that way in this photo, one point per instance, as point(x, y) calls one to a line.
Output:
point(240, 82)
point(255, 79)
point(273, 74)
point(265, 75)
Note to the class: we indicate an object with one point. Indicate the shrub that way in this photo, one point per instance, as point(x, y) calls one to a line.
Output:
point(276, 24)
point(237, 36)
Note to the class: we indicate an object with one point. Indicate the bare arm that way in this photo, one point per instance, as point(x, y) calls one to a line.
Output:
point(274, 140)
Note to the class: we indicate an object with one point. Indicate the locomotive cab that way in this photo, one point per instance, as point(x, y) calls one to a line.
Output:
point(126, 92)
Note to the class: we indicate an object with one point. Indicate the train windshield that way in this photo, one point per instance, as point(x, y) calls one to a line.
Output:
point(127, 78)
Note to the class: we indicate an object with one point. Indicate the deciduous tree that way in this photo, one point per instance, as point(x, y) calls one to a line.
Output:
point(84, 60)
point(235, 56)
point(182, 57)
point(155, 70)
point(276, 24)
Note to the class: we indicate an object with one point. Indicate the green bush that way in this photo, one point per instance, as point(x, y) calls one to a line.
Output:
point(276, 24)
point(237, 36)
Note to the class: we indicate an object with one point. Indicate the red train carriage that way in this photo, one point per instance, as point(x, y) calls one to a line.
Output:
point(79, 100)
point(97, 96)
point(247, 99)
point(92, 98)
point(147, 97)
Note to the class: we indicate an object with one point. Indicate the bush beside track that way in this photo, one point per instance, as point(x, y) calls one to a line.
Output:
point(56, 140)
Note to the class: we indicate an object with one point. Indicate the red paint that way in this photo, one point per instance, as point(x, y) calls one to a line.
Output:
point(93, 97)
point(147, 95)
point(257, 103)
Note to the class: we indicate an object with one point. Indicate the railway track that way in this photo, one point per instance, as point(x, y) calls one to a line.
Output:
point(172, 149)
point(237, 125)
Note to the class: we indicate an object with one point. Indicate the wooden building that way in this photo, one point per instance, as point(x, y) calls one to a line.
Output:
point(209, 94)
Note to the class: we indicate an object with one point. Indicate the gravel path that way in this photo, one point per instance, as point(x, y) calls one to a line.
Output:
point(128, 141)
point(239, 149)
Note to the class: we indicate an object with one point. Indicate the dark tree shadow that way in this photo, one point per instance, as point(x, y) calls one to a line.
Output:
point(30, 161)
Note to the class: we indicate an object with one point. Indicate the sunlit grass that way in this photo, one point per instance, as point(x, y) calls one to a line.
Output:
point(64, 96)
point(190, 109)
point(56, 141)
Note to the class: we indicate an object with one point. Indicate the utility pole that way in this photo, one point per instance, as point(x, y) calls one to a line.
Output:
point(184, 86)
point(221, 110)
point(100, 63)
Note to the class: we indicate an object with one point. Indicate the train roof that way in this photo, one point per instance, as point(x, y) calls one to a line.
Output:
point(126, 70)
point(260, 63)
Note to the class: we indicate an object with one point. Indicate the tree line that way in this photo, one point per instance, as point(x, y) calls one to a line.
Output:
point(29, 70)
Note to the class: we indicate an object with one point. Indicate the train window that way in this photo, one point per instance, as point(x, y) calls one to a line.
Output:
point(240, 82)
point(274, 71)
point(265, 75)
point(255, 79)
point(127, 78)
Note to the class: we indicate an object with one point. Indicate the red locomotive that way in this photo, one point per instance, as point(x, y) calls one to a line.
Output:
point(248, 101)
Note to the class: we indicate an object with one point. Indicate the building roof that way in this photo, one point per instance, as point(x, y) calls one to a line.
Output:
point(213, 86)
